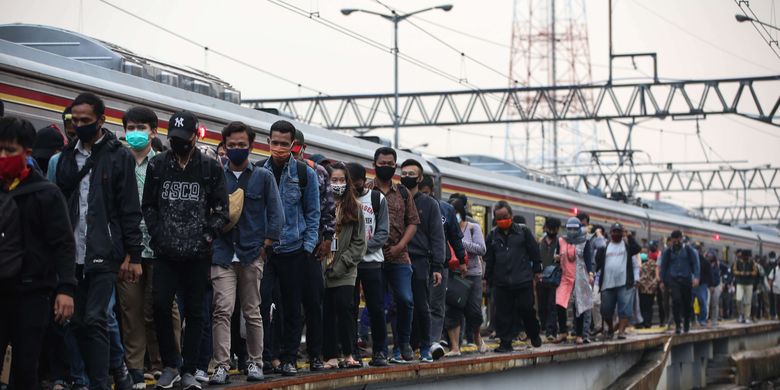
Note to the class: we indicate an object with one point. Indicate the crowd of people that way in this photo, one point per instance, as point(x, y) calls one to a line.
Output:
point(124, 260)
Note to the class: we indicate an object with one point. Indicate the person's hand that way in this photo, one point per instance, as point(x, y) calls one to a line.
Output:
point(556, 258)
point(695, 282)
point(590, 279)
point(63, 308)
point(463, 269)
point(134, 273)
point(394, 250)
point(323, 250)
point(436, 279)
point(538, 277)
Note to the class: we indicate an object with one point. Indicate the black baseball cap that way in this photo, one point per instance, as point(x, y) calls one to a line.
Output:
point(677, 234)
point(616, 226)
point(183, 124)
point(583, 215)
point(48, 142)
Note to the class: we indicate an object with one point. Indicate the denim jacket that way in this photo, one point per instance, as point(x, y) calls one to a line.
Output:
point(262, 218)
point(301, 209)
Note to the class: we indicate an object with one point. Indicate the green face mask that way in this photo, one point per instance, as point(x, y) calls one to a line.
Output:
point(137, 139)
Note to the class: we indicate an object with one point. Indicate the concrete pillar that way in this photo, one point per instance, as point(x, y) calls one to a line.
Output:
point(702, 352)
point(681, 369)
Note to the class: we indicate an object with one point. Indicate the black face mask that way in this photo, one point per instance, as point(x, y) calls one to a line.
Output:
point(358, 191)
point(181, 147)
point(616, 237)
point(409, 182)
point(552, 234)
point(385, 173)
point(677, 245)
point(87, 133)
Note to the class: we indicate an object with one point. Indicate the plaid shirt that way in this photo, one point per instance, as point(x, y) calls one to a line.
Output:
point(647, 281)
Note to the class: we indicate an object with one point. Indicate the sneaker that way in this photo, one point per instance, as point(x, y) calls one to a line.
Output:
point(254, 373)
point(686, 327)
point(137, 376)
point(316, 364)
point(748, 321)
point(437, 351)
point(201, 376)
point(407, 353)
point(425, 357)
point(168, 378)
point(188, 382)
point(378, 360)
point(149, 376)
point(396, 358)
point(504, 348)
point(122, 379)
point(268, 367)
point(536, 341)
point(221, 376)
point(288, 369)
point(677, 330)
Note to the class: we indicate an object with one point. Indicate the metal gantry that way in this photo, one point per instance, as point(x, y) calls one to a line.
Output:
point(731, 214)
point(756, 98)
point(726, 179)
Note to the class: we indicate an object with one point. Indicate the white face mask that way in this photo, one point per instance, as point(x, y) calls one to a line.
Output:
point(457, 216)
point(338, 189)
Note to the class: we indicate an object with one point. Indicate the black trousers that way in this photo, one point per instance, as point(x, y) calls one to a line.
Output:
point(339, 324)
point(189, 277)
point(563, 319)
point(23, 324)
point(90, 323)
point(313, 288)
point(371, 281)
point(271, 311)
point(662, 312)
point(288, 268)
point(547, 309)
point(421, 294)
point(511, 303)
point(682, 300)
point(646, 307)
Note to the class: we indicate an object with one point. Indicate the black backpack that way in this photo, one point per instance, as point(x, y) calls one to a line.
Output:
point(11, 247)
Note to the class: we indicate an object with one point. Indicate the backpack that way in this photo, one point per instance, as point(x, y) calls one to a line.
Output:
point(375, 200)
point(11, 248)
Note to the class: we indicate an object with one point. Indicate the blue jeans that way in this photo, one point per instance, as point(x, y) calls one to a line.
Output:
point(398, 278)
point(702, 295)
point(622, 297)
point(116, 349)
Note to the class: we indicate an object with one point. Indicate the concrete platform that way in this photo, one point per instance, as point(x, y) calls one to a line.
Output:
point(599, 364)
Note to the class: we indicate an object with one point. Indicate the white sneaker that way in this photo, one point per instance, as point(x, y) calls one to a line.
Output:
point(254, 373)
point(437, 351)
point(201, 376)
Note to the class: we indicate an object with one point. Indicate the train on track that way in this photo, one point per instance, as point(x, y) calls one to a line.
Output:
point(38, 79)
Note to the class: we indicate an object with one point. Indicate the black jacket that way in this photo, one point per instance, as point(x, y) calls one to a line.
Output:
point(705, 273)
point(47, 239)
point(632, 248)
point(114, 212)
point(185, 209)
point(428, 241)
point(512, 258)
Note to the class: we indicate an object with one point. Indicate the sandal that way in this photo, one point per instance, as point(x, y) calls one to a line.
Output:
point(452, 354)
point(351, 364)
point(579, 341)
point(331, 364)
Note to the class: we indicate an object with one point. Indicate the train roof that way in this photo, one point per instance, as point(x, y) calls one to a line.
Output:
point(46, 65)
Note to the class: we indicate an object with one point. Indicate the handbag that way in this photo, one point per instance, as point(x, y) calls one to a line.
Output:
point(453, 264)
point(236, 202)
point(458, 291)
point(551, 275)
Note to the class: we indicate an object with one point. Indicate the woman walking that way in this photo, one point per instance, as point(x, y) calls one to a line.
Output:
point(576, 278)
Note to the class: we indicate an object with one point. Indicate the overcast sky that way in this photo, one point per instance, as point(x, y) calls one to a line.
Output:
point(694, 39)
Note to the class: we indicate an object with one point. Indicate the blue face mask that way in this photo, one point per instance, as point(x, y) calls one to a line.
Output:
point(237, 156)
point(137, 139)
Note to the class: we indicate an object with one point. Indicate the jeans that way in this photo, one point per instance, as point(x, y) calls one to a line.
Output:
point(421, 319)
point(339, 326)
point(513, 303)
point(23, 325)
point(398, 278)
point(622, 297)
point(117, 350)
point(288, 267)
point(188, 278)
point(90, 323)
point(437, 303)
point(371, 281)
point(702, 295)
point(682, 301)
point(313, 289)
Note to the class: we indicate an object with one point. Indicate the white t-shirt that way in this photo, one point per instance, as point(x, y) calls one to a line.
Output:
point(369, 218)
point(614, 274)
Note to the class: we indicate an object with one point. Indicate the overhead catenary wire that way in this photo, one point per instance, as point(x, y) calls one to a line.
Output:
point(756, 26)
point(212, 50)
point(700, 39)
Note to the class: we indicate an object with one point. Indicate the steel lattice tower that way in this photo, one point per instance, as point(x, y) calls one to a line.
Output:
point(549, 47)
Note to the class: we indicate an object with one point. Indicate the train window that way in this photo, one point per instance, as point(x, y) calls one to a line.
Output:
point(480, 214)
point(539, 226)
